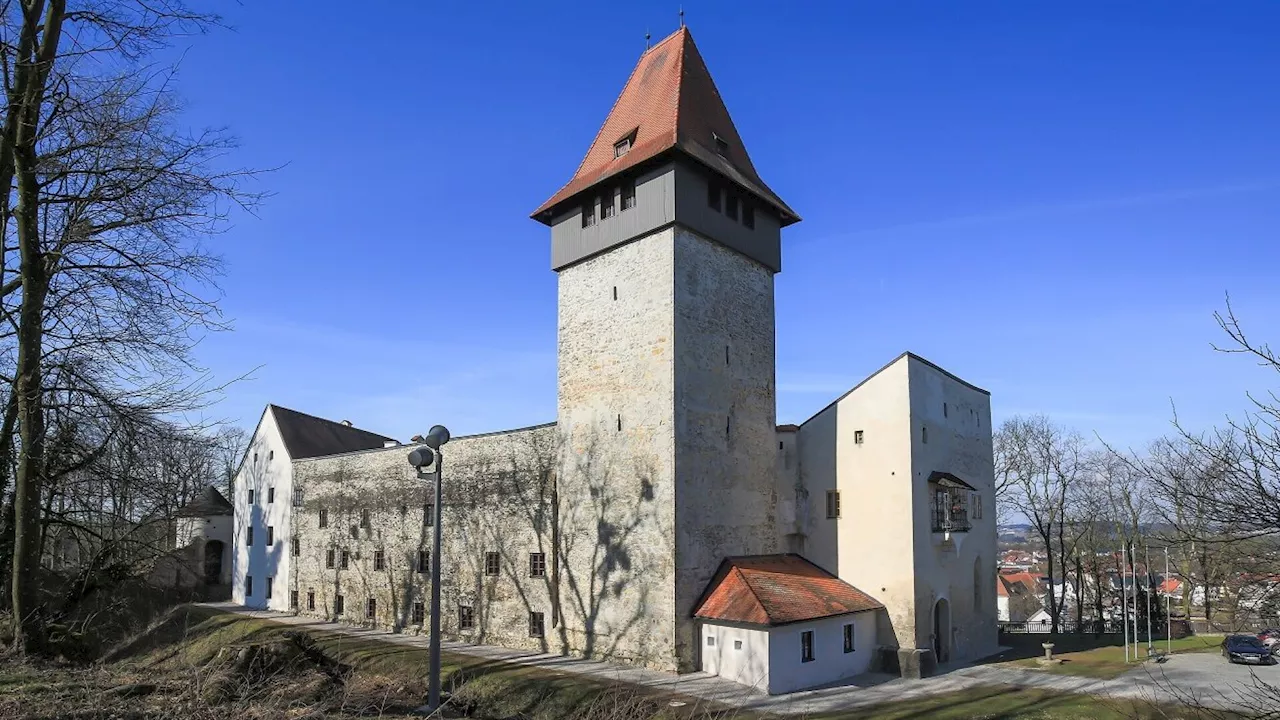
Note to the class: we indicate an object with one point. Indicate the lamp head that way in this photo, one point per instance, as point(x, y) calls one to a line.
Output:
point(437, 436)
point(422, 457)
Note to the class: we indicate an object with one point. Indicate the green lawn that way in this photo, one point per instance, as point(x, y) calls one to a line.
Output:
point(389, 681)
point(1089, 656)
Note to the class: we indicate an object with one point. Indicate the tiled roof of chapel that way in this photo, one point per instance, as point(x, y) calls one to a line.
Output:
point(777, 590)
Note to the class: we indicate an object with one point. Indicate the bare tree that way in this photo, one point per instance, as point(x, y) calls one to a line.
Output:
point(1044, 463)
point(103, 267)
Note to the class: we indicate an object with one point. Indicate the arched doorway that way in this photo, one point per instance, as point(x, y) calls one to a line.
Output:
point(942, 630)
point(213, 562)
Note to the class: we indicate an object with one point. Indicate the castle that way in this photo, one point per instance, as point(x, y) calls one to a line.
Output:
point(664, 518)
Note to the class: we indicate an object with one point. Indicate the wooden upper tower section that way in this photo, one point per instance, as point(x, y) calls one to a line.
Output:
point(669, 117)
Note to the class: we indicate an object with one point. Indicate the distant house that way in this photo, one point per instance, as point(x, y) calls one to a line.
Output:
point(1016, 597)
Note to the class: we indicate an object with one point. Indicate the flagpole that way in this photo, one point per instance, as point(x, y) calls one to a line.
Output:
point(1133, 558)
point(1168, 614)
point(1146, 552)
point(1124, 599)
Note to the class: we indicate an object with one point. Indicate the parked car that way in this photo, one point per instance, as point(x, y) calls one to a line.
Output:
point(1246, 649)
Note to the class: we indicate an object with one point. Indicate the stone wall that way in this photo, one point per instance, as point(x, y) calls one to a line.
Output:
point(498, 498)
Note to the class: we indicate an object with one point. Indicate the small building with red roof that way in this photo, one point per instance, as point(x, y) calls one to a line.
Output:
point(779, 623)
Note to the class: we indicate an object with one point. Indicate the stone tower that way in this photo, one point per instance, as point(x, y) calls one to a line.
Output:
point(665, 243)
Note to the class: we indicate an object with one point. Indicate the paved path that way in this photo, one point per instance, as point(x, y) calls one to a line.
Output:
point(1189, 671)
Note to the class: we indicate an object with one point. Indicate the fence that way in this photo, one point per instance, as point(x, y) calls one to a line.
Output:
point(1092, 627)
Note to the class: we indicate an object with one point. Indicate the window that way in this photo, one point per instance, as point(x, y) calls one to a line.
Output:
point(269, 583)
point(924, 435)
point(848, 637)
point(628, 194)
point(339, 607)
point(619, 423)
point(248, 585)
point(271, 455)
point(271, 535)
point(615, 292)
point(535, 624)
point(537, 565)
point(346, 559)
point(722, 145)
point(311, 600)
point(857, 437)
point(950, 508)
point(379, 560)
point(731, 205)
point(328, 558)
point(355, 532)
point(944, 410)
point(419, 613)
point(711, 641)
point(466, 620)
point(424, 561)
point(748, 214)
point(248, 536)
point(255, 457)
point(806, 646)
point(606, 204)
point(833, 504)
point(365, 521)
point(271, 495)
point(621, 147)
point(977, 506)
point(251, 497)
point(324, 518)
point(371, 609)
point(491, 563)
point(297, 498)
point(713, 195)
point(293, 599)
point(737, 644)
point(295, 547)
point(428, 514)
point(404, 510)
point(589, 213)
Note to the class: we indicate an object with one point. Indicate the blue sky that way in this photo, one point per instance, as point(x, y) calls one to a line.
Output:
point(1048, 199)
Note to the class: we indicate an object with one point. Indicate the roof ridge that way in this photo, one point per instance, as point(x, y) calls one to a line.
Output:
point(331, 422)
point(755, 595)
point(684, 47)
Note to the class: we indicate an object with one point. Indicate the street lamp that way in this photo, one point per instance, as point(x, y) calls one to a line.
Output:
point(422, 458)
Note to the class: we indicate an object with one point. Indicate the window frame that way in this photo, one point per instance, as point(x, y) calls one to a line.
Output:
point(248, 586)
point(466, 617)
point(248, 535)
point(271, 536)
point(419, 613)
point(627, 194)
point(537, 624)
point(344, 560)
point(537, 565)
point(833, 504)
point(270, 585)
point(806, 646)
point(330, 558)
point(379, 560)
point(492, 564)
point(371, 609)
point(424, 561)
point(339, 605)
point(607, 209)
point(323, 520)
point(589, 212)
point(311, 600)
point(849, 637)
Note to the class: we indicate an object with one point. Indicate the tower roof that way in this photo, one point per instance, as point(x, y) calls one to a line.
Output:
point(670, 103)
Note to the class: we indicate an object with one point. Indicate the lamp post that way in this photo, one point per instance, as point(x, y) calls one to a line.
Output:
point(423, 458)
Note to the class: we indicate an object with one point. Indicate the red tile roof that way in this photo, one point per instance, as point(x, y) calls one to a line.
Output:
point(669, 103)
point(776, 590)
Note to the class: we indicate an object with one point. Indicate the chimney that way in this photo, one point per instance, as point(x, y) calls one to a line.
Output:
point(346, 422)
point(390, 443)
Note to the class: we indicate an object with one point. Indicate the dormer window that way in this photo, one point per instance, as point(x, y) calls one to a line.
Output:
point(722, 145)
point(623, 146)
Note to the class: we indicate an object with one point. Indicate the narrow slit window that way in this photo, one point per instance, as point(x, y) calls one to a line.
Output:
point(806, 646)
point(248, 536)
point(619, 423)
point(833, 504)
point(726, 428)
point(270, 583)
point(248, 585)
point(324, 518)
point(271, 535)
point(848, 637)
point(311, 600)
point(615, 292)
point(339, 606)
point(726, 354)
point(628, 195)
point(371, 611)
point(271, 495)
point(924, 435)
